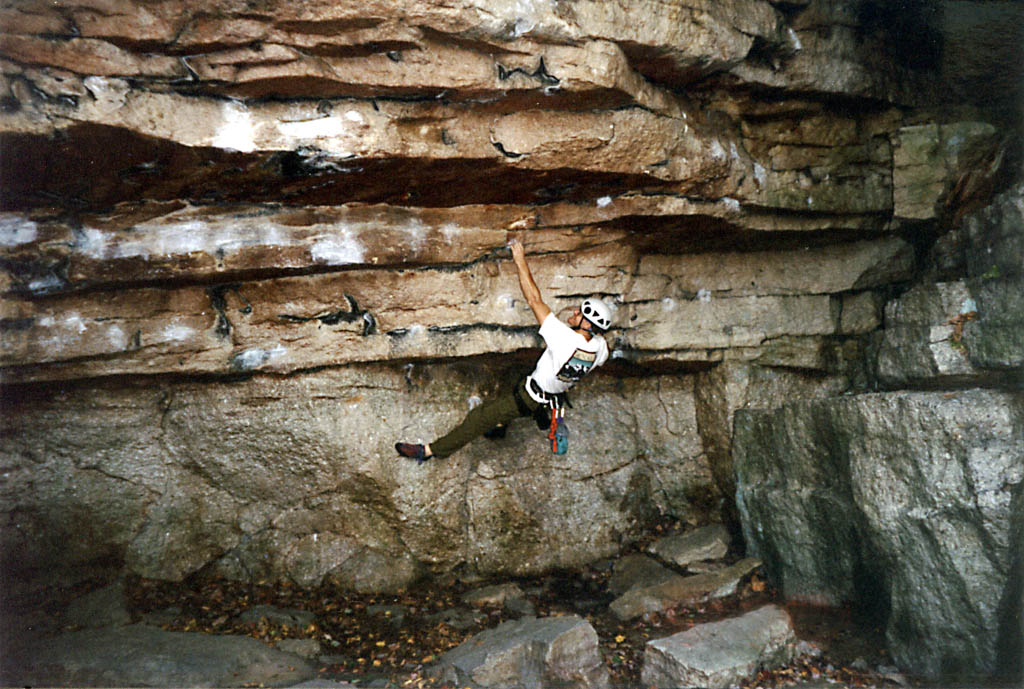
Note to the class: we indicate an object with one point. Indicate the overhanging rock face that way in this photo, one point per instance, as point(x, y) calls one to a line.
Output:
point(247, 246)
point(278, 188)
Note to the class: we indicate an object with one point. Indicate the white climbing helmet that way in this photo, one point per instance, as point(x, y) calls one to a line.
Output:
point(597, 312)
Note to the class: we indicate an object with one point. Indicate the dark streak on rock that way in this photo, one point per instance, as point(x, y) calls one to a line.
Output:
point(459, 329)
point(502, 151)
point(541, 74)
point(353, 314)
point(219, 302)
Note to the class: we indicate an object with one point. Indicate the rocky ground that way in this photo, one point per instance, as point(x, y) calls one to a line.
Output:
point(397, 640)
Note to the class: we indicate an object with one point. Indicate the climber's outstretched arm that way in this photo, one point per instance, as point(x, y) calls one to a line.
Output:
point(530, 290)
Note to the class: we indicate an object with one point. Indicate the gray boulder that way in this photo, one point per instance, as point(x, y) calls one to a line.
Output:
point(897, 502)
point(528, 653)
point(680, 590)
point(141, 656)
point(995, 339)
point(969, 325)
point(720, 654)
point(705, 543)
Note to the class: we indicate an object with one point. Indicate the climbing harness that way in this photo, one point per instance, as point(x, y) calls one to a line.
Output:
point(556, 403)
point(559, 433)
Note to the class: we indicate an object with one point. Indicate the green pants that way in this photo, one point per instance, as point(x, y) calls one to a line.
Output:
point(509, 404)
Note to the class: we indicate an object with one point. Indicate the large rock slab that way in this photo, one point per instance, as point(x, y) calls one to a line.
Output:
point(243, 52)
point(297, 479)
point(530, 653)
point(721, 654)
point(735, 385)
point(902, 503)
point(140, 656)
point(682, 590)
point(828, 49)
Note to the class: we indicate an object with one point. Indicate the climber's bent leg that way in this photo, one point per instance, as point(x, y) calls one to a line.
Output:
point(501, 409)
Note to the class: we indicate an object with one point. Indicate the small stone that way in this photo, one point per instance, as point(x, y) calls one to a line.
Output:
point(706, 543)
point(395, 614)
point(458, 618)
point(282, 616)
point(804, 648)
point(493, 595)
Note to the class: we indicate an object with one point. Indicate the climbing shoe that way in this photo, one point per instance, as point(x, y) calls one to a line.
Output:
point(417, 452)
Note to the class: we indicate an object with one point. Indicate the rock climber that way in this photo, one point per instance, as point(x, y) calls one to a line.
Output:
point(573, 350)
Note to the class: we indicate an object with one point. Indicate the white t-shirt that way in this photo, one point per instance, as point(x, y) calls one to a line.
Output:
point(568, 357)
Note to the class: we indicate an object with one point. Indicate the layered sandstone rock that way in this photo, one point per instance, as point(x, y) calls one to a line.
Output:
point(247, 246)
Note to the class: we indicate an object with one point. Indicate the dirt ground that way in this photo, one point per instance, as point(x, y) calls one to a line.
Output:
point(389, 640)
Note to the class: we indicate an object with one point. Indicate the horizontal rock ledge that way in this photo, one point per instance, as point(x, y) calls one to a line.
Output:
point(174, 42)
point(238, 50)
point(176, 242)
point(293, 323)
point(317, 154)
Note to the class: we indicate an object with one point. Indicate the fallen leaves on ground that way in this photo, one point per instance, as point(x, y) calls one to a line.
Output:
point(394, 638)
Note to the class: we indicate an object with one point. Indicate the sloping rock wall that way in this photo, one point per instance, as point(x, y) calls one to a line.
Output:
point(245, 247)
